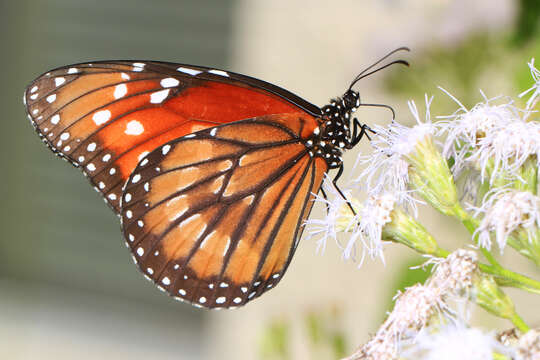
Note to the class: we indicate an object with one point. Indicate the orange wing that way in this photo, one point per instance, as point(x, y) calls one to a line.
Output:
point(214, 218)
point(104, 117)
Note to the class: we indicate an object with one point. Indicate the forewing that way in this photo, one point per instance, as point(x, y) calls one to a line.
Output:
point(215, 217)
point(104, 117)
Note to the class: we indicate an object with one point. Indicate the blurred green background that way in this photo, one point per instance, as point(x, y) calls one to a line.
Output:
point(68, 288)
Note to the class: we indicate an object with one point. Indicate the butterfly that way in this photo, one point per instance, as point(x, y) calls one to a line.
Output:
point(212, 173)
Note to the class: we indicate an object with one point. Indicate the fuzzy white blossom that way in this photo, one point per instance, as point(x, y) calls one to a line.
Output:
point(535, 89)
point(418, 304)
point(487, 132)
point(388, 166)
point(504, 211)
point(453, 341)
point(328, 227)
point(529, 346)
point(507, 148)
point(372, 216)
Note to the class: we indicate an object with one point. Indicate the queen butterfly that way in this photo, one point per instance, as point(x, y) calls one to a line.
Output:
point(212, 173)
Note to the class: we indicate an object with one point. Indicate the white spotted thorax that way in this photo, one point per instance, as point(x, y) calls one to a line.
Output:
point(334, 133)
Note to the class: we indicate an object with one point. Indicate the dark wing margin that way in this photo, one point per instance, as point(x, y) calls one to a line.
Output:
point(215, 217)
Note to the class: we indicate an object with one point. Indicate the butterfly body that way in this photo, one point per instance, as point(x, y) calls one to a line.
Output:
point(212, 173)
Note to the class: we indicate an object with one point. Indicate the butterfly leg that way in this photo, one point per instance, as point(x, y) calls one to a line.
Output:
point(326, 200)
point(356, 137)
point(334, 181)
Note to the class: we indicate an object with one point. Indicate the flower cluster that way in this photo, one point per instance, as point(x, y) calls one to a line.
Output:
point(419, 303)
point(492, 151)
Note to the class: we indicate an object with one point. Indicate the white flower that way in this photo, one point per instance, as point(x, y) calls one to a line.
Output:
point(535, 73)
point(453, 341)
point(503, 212)
point(529, 346)
point(491, 138)
point(467, 127)
point(508, 147)
point(372, 216)
point(329, 226)
point(388, 166)
point(454, 274)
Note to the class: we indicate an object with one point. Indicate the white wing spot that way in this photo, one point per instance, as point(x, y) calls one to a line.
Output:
point(112, 196)
point(251, 295)
point(34, 96)
point(182, 292)
point(140, 251)
point(127, 198)
point(176, 267)
point(223, 285)
point(150, 271)
point(120, 91)
point(219, 72)
point(244, 289)
point(159, 96)
point(213, 132)
point(55, 119)
point(73, 70)
point(91, 167)
point(91, 147)
point(275, 276)
point(147, 187)
point(106, 157)
point(144, 162)
point(185, 277)
point(134, 127)
point(81, 159)
point(59, 81)
point(237, 300)
point(221, 300)
point(125, 76)
point(67, 148)
point(35, 111)
point(142, 155)
point(210, 286)
point(129, 214)
point(165, 149)
point(136, 178)
point(139, 64)
point(227, 246)
point(64, 136)
point(169, 82)
point(257, 283)
point(101, 185)
point(51, 98)
point(140, 223)
point(131, 237)
point(112, 171)
point(34, 89)
point(166, 281)
point(189, 71)
point(202, 300)
point(101, 117)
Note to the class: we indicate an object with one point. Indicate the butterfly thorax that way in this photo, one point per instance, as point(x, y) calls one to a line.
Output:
point(334, 134)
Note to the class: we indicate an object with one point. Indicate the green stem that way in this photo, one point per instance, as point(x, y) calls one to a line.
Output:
point(510, 278)
point(519, 323)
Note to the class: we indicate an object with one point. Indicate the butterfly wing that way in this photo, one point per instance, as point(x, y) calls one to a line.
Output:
point(104, 117)
point(214, 218)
